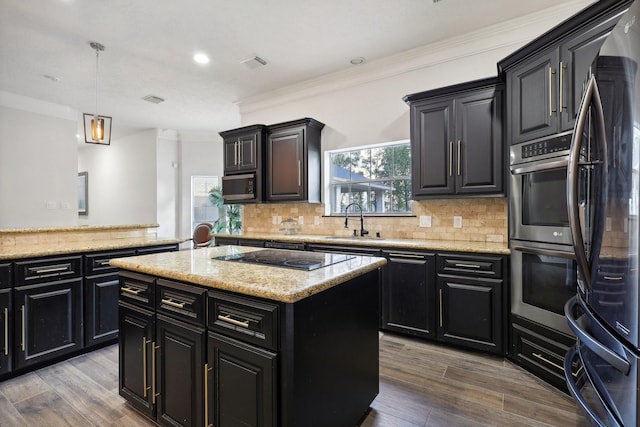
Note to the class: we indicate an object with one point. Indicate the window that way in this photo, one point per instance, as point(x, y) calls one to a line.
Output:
point(377, 177)
point(202, 208)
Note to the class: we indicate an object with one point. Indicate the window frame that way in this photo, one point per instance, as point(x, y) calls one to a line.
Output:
point(327, 178)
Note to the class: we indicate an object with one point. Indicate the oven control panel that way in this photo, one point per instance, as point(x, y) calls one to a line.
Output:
point(547, 146)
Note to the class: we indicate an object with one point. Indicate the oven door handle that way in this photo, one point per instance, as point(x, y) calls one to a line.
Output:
point(606, 354)
point(591, 97)
point(572, 354)
point(547, 252)
point(538, 167)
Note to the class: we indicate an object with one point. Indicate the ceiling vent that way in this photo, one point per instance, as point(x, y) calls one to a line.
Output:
point(253, 62)
point(153, 99)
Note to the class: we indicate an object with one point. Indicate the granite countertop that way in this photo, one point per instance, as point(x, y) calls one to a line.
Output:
point(60, 248)
point(274, 283)
point(432, 245)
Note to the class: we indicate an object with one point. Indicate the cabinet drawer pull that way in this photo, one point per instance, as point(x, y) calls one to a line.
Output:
point(206, 394)
point(551, 73)
point(544, 359)
point(613, 278)
point(396, 255)
point(450, 158)
point(173, 303)
point(229, 319)
point(22, 345)
point(6, 331)
point(103, 263)
point(131, 290)
point(51, 270)
point(459, 144)
point(562, 68)
point(460, 265)
point(440, 297)
point(154, 347)
point(144, 366)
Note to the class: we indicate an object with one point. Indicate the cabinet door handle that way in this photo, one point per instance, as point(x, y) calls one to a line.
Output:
point(6, 331)
point(22, 345)
point(144, 366)
point(154, 347)
point(235, 153)
point(561, 95)
point(440, 297)
point(131, 290)
point(299, 173)
point(544, 359)
point(229, 319)
point(450, 158)
point(173, 303)
point(459, 143)
point(206, 395)
point(551, 73)
point(467, 265)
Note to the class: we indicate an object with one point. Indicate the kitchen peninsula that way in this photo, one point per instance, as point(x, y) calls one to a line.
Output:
point(209, 336)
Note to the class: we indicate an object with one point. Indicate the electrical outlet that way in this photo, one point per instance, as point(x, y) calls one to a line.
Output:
point(279, 219)
point(300, 220)
point(274, 219)
point(425, 220)
point(457, 222)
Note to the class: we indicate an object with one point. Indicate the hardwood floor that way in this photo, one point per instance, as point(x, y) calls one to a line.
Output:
point(421, 384)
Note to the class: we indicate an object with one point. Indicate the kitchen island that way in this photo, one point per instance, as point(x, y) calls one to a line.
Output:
point(206, 339)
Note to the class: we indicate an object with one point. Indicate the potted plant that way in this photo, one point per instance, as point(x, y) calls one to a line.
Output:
point(229, 216)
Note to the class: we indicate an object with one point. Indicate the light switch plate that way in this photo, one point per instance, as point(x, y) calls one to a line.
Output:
point(457, 222)
point(425, 220)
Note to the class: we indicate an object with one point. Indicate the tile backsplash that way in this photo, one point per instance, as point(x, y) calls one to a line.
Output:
point(483, 220)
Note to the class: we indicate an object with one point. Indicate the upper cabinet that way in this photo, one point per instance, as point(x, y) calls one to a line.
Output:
point(546, 78)
point(293, 161)
point(456, 140)
point(243, 148)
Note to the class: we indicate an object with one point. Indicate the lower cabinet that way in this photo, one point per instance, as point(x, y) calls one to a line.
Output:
point(408, 294)
point(47, 321)
point(100, 309)
point(6, 337)
point(242, 390)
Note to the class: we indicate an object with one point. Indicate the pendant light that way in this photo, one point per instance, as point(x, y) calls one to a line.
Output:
point(97, 128)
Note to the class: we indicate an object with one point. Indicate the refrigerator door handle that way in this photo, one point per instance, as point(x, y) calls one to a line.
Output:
point(577, 395)
point(591, 98)
point(609, 356)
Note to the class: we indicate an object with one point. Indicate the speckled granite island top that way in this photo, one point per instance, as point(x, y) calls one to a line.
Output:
point(275, 283)
point(430, 245)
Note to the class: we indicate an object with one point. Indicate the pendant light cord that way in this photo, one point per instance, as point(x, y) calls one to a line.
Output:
point(96, 116)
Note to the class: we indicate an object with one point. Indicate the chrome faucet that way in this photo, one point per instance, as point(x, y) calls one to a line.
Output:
point(363, 232)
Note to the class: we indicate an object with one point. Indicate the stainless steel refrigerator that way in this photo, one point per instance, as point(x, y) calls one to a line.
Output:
point(603, 192)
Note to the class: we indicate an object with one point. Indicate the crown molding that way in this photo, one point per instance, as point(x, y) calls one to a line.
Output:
point(37, 106)
point(509, 34)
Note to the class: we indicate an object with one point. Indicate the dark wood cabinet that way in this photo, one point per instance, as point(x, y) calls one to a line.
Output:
point(47, 321)
point(180, 357)
point(293, 161)
point(243, 148)
point(408, 294)
point(101, 308)
point(6, 335)
point(242, 390)
point(546, 79)
point(472, 301)
point(146, 250)
point(456, 140)
point(136, 358)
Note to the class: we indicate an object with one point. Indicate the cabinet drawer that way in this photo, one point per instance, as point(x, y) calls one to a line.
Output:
point(98, 263)
point(471, 265)
point(181, 301)
point(156, 249)
point(137, 289)
point(5, 275)
point(48, 269)
point(248, 320)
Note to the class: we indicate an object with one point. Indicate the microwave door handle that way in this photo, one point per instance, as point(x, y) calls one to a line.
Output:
point(591, 97)
point(577, 395)
point(606, 354)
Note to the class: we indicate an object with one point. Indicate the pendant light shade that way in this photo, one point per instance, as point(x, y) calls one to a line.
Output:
point(97, 128)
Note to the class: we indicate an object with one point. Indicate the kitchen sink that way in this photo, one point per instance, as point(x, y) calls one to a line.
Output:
point(352, 238)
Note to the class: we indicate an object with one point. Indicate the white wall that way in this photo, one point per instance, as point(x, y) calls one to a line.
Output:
point(167, 191)
point(122, 180)
point(38, 169)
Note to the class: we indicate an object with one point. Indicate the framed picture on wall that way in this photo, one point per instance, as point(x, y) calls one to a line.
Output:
point(83, 193)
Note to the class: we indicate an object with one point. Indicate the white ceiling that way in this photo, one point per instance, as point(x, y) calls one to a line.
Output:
point(150, 45)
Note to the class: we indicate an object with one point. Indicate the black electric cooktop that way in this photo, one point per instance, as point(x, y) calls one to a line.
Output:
point(286, 258)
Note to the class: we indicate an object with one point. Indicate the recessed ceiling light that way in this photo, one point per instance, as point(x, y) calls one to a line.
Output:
point(201, 58)
point(357, 61)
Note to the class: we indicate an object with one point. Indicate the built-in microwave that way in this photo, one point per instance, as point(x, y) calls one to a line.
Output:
point(239, 188)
